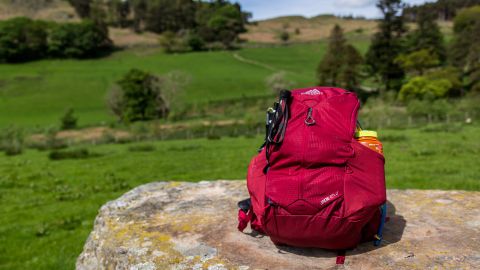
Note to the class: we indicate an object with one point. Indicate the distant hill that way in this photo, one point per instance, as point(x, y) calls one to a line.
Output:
point(56, 10)
point(309, 29)
point(301, 29)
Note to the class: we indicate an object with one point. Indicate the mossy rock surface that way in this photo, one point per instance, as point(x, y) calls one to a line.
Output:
point(175, 225)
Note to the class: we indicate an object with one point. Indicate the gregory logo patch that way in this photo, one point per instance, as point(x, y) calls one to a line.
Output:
point(329, 198)
point(313, 92)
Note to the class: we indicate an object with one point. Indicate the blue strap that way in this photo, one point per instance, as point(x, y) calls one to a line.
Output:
point(379, 235)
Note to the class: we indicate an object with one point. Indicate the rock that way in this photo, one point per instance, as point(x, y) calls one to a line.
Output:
point(172, 225)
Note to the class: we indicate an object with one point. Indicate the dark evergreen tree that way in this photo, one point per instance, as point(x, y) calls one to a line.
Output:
point(118, 10)
point(465, 50)
point(351, 73)
point(82, 7)
point(441, 9)
point(139, 8)
point(330, 67)
point(427, 36)
point(387, 45)
point(341, 64)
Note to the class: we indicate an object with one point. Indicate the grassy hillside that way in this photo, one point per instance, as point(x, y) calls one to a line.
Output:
point(48, 207)
point(38, 93)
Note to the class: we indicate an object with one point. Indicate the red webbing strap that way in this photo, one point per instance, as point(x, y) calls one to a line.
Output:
point(244, 219)
point(341, 257)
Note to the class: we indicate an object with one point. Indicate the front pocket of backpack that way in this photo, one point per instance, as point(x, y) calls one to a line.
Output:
point(313, 231)
point(364, 186)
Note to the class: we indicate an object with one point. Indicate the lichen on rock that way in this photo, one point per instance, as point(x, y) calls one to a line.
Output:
point(175, 225)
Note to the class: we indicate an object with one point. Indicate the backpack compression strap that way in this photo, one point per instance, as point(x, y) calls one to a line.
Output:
point(277, 123)
point(246, 215)
point(379, 235)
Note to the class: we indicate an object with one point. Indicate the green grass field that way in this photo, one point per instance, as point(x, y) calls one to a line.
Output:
point(37, 94)
point(48, 207)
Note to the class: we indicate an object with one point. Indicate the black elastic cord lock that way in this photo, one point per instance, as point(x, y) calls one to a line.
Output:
point(245, 205)
point(285, 94)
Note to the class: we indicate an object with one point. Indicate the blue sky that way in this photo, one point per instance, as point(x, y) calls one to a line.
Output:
point(263, 9)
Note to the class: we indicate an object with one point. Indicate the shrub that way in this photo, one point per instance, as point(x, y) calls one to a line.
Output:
point(171, 43)
point(141, 95)
point(22, 39)
point(418, 61)
point(284, 36)
point(142, 148)
point(50, 142)
point(451, 74)
point(437, 109)
point(393, 138)
point(183, 41)
point(12, 141)
point(278, 82)
point(139, 90)
point(68, 120)
point(422, 87)
point(81, 153)
point(195, 42)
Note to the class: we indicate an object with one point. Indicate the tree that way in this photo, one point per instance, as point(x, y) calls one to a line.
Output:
point(351, 74)
point(220, 21)
point(418, 61)
point(167, 15)
point(79, 40)
point(82, 7)
point(442, 9)
point(427, 36)
point(140, 91)
point(450, 73)
point(424, 88)
point(465, 51)
point(139, 8)
point(341, 64)
point(119, 11)
point(140, 95)
point(284, 36)
point(22, 39)
point(171, 96)
point(68, 120)
point(170, 42)
point(330, 67)
point(387, 45)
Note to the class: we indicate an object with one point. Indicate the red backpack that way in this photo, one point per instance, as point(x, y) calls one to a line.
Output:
point(313, 184)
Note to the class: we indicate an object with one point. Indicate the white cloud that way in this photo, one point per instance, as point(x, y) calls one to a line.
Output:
point(354, 3)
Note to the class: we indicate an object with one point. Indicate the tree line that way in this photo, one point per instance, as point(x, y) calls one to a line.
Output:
point(23, 39)
point(442, 9)
point(415, 65)
point(187, 24)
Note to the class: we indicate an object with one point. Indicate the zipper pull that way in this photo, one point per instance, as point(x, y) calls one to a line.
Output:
point(309, 121)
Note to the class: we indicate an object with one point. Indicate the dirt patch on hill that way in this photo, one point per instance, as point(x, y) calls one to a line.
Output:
point(303, 29)
point(54, 10)
point(100, 134)
point(127, 38)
